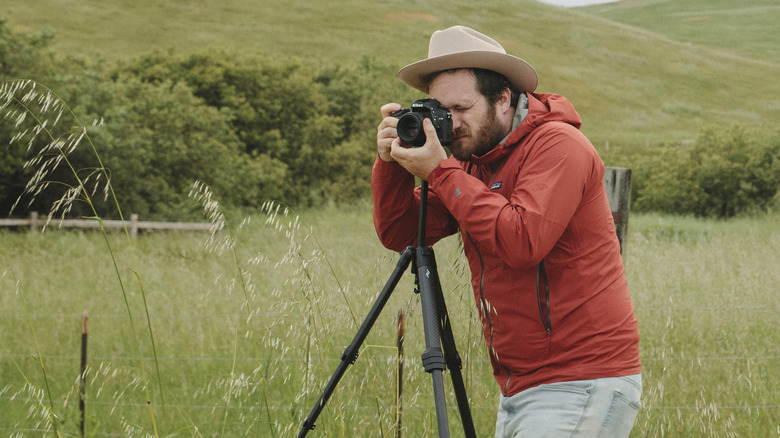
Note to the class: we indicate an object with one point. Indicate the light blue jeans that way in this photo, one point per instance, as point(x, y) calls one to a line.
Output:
point(581, 409)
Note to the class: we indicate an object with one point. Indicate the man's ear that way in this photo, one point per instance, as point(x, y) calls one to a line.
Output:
point(504, 102)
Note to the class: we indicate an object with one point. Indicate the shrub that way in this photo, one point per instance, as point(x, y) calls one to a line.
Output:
point(253, 129)
point(285, 112)
point(157, 139)
point(725, 173)
point(22, 55)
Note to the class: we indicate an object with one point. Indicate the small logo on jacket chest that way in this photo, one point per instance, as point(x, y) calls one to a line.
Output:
point(496, 185)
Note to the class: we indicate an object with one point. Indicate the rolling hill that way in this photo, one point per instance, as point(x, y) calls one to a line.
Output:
point(633, 82)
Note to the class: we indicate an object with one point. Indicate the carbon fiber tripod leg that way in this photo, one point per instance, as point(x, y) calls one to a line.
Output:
point(454, 364)
point(433, 357)
point(350, 354)
point(438, 334)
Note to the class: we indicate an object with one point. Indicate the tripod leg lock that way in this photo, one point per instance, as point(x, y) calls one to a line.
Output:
point(350, 355)
point(455, 363)
point(307, 426)
point(433, 359)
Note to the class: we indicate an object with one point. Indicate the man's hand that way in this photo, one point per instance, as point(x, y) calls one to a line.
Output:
point(420, 161)
point(386, 131)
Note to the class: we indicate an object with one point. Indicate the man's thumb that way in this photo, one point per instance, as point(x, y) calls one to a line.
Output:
point(429, 129)
point(428, 125)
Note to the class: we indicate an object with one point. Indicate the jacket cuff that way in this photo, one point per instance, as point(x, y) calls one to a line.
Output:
point(384, 167)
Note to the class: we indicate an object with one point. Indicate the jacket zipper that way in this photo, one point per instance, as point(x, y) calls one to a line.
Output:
point(486, 313)
point(541, 274)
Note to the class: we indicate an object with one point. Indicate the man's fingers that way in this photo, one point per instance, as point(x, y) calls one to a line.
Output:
point(389, 108)
point(398, 152)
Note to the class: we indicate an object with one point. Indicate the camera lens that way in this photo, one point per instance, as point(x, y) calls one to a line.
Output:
point(410, 129)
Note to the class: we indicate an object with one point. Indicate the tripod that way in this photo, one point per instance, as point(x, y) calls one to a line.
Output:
point(439, 341)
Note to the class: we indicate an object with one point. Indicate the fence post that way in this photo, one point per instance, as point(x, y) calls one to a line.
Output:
point(133, 225)
point(33, 221)
point(617, 181)
point(83, 373)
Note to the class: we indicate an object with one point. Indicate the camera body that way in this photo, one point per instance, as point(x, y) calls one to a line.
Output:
point(410, 122)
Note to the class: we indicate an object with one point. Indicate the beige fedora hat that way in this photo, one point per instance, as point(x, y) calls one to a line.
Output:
point(463, 47)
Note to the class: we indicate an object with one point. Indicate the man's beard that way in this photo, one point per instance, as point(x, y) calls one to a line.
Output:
point(489, 134)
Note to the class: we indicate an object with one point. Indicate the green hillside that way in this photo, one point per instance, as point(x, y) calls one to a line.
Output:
point(747, 28)
point(632, 86)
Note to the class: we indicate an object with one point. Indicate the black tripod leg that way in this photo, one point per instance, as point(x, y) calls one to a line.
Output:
point(433, 357)
point(450, 356)
point(454, 364)
point(351, 352)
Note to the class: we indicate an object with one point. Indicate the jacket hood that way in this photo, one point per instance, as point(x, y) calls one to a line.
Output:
point(542, 108)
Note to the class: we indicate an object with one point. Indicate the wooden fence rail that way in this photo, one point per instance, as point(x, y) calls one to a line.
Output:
point(35, 221)
point(617, 181)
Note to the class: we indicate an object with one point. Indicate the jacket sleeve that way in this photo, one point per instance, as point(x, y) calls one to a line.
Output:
point(397, 208)
point(549, 185)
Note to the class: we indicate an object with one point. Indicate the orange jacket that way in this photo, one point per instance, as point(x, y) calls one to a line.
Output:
point(538, 197)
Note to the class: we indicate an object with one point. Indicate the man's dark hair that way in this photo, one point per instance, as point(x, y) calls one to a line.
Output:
point(489, 83)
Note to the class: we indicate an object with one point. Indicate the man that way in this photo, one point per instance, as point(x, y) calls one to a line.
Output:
point(525, 190)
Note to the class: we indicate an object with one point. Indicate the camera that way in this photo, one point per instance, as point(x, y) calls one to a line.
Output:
point(410, 122)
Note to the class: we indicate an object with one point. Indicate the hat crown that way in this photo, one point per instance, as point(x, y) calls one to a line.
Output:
point(461, 39)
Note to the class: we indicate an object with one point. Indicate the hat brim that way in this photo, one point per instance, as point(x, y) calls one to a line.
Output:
point(520, 73)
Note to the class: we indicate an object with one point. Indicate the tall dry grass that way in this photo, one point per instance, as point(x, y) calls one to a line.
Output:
point(252, 358)
point(50, 148)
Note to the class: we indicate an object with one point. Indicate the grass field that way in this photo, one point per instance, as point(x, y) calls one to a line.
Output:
point(236, 336)
point(251, 360)
point(658, 79)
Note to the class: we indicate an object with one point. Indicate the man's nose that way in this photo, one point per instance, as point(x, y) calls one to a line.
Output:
point(457, 123)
